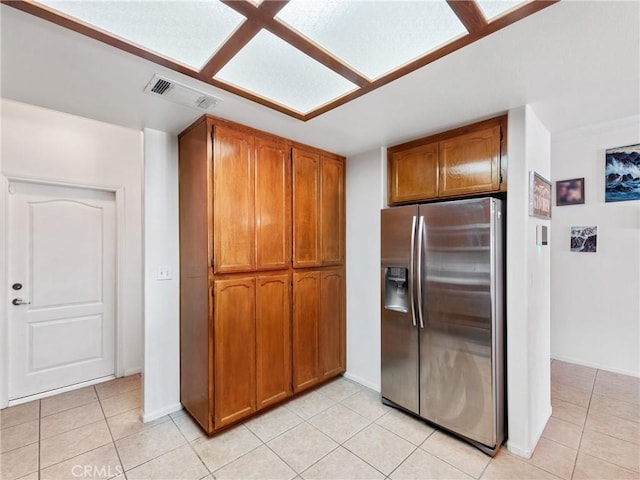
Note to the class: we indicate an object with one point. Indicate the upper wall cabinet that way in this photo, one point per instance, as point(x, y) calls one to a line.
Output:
point(318, 209)
point(251, 210)
point(465, 161)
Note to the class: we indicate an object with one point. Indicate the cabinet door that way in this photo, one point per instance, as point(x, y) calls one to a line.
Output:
point(470, 163)
point(306, 309)
point(332, 211)
point(233, 201)
point(272, 207)
point(332, 323)
point(413, 174)
point(306, 208)
point(234, 350)
point(273, 339)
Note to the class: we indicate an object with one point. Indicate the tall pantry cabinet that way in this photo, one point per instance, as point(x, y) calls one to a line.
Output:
point(262, 294)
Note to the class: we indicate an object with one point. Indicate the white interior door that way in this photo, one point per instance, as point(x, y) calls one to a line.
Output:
point(61, 288)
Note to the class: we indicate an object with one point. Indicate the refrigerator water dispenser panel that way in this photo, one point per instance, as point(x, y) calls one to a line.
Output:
point(396, 289)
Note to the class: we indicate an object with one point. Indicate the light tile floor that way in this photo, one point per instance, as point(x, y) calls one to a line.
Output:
point(339, 431)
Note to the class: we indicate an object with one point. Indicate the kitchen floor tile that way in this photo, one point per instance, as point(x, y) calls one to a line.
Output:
point(611, 406)
point(128, 423)
point(258, 464)
point(271, 424)
point(505, 466)
point(568, 412)
point(148, 444)
point(592, 468)
point(342, 464)
point(101, 462)
point(188, 426)
point(613, 426)
point(309, 404)
point(570, 394)
point(340, 389)
point(23, 413)
point(225, 447)
point(421, 465)
point(460, 454)
point(410, 428)
point(118, 386)
point(181, 463)
point(617, 387)
point(339, 423)
point(19, 462)
point(73, 443)
point(563, 432)
point(559, 367)
point(612, 450)
point(122, 402)
point(367, 404)
point(380, 448)
point(18, 436)
point(70, 419)
point(554, 458)
point(302, 446)
point(67, 401)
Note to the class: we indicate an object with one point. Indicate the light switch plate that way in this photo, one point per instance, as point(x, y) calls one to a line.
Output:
point(164, 273)
point(542, 236)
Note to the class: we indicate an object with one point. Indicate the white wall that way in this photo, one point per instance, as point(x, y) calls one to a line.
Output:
point(595, 307)
point(365, 197)
point(44, 144)
point(161, 380)
point(528, 288)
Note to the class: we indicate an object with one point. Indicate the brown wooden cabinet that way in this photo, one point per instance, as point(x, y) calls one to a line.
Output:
point(251, 207)
point(318, 326)
point(247, 335)
point(466, 161)
point(318, 209)
point(413, 173)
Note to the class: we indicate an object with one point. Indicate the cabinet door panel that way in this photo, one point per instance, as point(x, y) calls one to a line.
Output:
point(273, 339)
point(273, 214)
point(413, 174)
point(470, 163)
point(332, 212)
point(332, 324)
point(306, 209)
point(306, 292)
point(234, 350)
point(234, 196)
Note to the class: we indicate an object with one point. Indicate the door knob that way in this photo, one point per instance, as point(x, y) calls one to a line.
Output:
point(19, 301)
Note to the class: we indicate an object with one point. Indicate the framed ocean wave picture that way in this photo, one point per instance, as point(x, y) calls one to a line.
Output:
point(622, 173)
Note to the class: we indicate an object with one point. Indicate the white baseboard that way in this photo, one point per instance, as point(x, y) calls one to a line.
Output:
point(150, 416)
point(132, 371)
point(528, 452)
point(598, 366)
point(362, 381)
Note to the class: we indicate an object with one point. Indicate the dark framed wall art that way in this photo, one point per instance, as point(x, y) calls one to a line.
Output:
point(539, 196)
point(570, 192)
point(622, 174)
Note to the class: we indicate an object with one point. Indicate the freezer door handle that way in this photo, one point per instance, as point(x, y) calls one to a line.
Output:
point(411, 271)
point(419, 275)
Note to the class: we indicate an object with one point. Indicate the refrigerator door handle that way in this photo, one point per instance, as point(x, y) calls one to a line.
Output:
point(420, 241)
point(412, 299)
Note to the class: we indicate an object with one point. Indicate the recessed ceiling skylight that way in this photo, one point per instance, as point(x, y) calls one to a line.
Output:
point(273, 69)
point(494, 8)
point(187, 32)
point(299, 57)
point(374, 37)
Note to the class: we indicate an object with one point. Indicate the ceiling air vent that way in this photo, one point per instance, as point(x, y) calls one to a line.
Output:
point(179, 93)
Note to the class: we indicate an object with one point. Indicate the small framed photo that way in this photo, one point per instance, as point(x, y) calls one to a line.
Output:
point(539, 196)
point(570, 192)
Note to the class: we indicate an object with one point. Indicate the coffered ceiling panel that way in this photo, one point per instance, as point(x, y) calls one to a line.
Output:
point(299, 57)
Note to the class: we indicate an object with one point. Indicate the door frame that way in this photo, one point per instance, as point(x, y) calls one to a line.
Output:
point(121, 268)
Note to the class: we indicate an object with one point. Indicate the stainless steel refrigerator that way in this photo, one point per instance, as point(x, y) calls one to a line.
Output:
point(442, 316)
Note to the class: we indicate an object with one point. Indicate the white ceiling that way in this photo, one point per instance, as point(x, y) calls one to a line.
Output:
point(576, 62)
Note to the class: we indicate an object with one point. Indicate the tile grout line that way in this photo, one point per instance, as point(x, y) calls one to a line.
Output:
point(171, 419)
point(584, 426)
point(113, 442)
